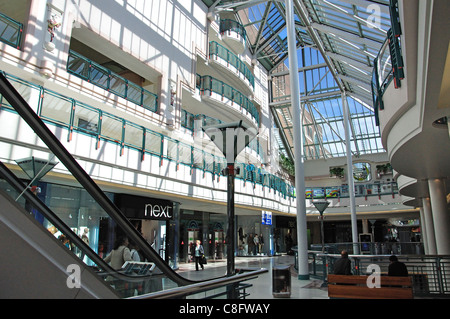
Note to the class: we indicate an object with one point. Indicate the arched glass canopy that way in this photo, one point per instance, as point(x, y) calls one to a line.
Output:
point(337, 42)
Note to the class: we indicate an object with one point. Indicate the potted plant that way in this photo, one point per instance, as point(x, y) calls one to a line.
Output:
point(337, 171)
point(384, 168)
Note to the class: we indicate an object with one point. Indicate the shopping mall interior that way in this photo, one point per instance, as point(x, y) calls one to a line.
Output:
point(273, 133)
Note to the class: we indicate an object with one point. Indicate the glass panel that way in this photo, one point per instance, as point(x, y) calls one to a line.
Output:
point(112, 128)
point(118, 85)
point(153, 143)
point(56, 108)
point(78, 65)
point(198, 158)
point(134, 94)
point(149, 101)
point(184, 154)
point(86, 119)
point(172, 147)
point(99, 76)
point(10, 31)
point(133, 136)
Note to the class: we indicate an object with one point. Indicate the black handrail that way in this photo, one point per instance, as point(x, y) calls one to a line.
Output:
point(203, 286)
point(38, 126)
point(106, 269)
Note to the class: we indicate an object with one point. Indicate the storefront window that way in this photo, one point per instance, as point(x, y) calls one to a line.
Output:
point(79, 211)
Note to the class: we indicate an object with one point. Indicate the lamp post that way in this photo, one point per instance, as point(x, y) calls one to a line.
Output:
point(321, 206)
point(230, 139)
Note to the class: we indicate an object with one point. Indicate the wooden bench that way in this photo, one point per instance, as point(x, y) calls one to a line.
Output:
point(355, 287)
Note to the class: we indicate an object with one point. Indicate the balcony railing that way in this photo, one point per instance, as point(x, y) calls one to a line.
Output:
point(73, 115)
point(227, 25)
point(218, 51)
point(188, 119)
point(108, 80)
point(388, 65)
point(10, 31)
point(208, 85)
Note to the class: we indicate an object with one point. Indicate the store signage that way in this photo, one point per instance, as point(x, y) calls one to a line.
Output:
point(158, 211)
point(138, 207)
point(266, 218)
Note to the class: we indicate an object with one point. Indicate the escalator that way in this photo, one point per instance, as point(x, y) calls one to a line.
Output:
point(61, 154)
point(47, 258)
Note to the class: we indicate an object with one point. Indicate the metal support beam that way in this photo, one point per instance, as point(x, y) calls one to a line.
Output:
point(351, 184)
point(303, 271)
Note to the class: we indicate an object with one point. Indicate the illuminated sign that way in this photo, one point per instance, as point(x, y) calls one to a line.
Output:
point(158, 211)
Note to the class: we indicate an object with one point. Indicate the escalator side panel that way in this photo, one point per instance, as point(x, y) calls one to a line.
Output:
point(35, 264)
point(29, 116)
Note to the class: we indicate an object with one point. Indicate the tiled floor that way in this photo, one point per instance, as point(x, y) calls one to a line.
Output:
point(262, 286)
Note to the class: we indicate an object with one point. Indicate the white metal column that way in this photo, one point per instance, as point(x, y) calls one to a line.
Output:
point(351, 184)
point(303, 272)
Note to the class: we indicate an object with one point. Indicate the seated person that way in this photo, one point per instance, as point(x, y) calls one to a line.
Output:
point(343, 266)
point(397, 268)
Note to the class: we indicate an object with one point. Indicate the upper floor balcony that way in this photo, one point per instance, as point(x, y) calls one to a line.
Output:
point(233, 34)
point(10, 31)
point(221, 101)
point(235, 69)
point(112, 82)
point(410, 88)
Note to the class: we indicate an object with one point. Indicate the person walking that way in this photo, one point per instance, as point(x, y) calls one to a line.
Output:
point(199, 253)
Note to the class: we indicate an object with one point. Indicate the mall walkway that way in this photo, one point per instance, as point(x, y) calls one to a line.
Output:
point(262, 286)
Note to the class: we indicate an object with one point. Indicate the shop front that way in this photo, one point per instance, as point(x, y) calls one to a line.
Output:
point(207, 227)
point(155, 219)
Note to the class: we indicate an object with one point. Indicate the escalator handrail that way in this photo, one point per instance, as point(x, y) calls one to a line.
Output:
point(203, 286)
point(39, 127)
point(60, 225)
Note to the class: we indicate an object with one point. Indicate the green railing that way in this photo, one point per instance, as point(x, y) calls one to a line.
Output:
point(208, 85)
point(227, 25)
point(218, 51)
point(188, 119)
point(73, 115)
point(388, 65)
point(10, 31)
point(108, 80)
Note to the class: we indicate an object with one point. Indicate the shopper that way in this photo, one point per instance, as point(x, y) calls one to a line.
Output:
point(256, 242)
point(343, 266)
point(199, 253)
point(135, 256)
point(397, 268)
point(120, 253)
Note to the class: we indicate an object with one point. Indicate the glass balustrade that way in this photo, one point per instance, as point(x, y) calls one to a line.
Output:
point(218, 51)
point(73, 115)
point(108, 80)
point(10, 31)
point(208, 85)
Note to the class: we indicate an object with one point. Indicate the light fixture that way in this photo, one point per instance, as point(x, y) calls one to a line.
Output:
point(231, 139)
point(321, 206)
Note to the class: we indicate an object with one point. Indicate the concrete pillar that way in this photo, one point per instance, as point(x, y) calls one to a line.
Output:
point(441, 215)
point(423, 230)
point(428, 218)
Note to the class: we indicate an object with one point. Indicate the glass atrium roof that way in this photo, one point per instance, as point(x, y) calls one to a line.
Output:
point(337, 42)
